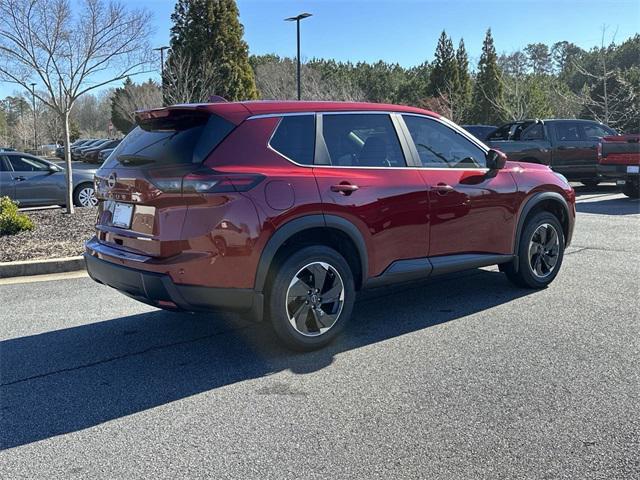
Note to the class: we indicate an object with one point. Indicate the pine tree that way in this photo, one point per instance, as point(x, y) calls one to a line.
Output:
point(444, 75)
point(207, 36)
point(465, 86)
point(487, 92)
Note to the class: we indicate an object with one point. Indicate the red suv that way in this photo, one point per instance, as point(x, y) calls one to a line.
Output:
point(285, 210)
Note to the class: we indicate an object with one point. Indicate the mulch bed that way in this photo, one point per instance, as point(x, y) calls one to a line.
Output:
point(56, 235)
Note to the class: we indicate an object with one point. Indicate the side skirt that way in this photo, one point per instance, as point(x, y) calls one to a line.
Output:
point(421, 268)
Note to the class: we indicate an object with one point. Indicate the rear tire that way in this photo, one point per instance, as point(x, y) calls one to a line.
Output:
point(85, 195)
point(302, 319)
point(631, 189)
point(540, 252)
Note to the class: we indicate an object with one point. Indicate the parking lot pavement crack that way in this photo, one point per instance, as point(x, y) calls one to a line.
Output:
point(576, 250)
point(124, 356)
point(598, 249)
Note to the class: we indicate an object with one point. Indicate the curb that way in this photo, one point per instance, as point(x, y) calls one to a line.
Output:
point(28, 268)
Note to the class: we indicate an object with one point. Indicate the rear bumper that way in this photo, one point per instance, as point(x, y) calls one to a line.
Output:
point(159, 290)
point(617, 172)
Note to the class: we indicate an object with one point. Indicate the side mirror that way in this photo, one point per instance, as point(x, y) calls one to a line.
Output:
point(496, 160)
point(54, 169)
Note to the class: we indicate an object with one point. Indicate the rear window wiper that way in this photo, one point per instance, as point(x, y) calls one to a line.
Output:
point(134, 159)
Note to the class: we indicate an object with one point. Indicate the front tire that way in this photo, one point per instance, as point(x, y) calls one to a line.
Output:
point(540, 252)
point(310, 297)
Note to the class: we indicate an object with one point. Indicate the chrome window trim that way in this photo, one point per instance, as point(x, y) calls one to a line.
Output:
point(443, 120)
point(278, 126)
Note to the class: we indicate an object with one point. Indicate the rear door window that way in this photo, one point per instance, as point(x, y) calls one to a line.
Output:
point(294, 138)
point(362, 140)
point(182, 137)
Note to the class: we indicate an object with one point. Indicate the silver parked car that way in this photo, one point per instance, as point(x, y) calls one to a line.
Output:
point(33, 181)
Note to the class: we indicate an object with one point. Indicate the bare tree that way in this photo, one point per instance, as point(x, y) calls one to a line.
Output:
point(183, 82)
point(276, 80)
point(70, 51)
point(607, 95)
point(130, 98)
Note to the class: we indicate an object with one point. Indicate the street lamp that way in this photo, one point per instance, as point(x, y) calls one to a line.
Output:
point(161, 50)
point(35, 127)
point(297, 19)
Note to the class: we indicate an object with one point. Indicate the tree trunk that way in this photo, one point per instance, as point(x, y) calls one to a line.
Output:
point(67, 160)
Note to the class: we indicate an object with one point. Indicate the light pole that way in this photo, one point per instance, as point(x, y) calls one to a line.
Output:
point(297, 19)
point(161, 50)
point(35, 127)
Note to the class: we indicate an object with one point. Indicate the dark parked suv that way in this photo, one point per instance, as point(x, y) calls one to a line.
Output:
point(285, 210)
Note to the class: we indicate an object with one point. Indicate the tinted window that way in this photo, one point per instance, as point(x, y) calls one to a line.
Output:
point(568, 131)
point(362, 140)
point(534, 132)
point(595, 131)
point(479, 131)
point(440, 146)
point(182, 137)
point(3, 165)
point(27, 164)
point(295, 138)
point(501, 133)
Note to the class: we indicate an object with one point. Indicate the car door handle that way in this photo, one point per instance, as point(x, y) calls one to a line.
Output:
point(19, 179)
point(344, 188)
point(564, 147)
point(443, 188)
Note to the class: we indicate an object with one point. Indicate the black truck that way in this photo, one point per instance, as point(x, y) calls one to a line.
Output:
point(569, 147)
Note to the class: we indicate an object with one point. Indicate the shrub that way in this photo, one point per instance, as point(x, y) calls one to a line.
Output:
point(11, 220)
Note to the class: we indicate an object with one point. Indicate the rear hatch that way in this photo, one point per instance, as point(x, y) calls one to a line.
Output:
point(146, 184)
point(620, 150)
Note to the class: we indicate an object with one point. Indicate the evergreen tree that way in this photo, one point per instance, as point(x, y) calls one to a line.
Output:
point(487, 92)
point(465, 86)
point(131, 97)
point(539, 58)
point(207, 36)
point(444, 74)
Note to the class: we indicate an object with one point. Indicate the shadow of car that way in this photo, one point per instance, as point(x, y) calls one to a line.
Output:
point(67, 380)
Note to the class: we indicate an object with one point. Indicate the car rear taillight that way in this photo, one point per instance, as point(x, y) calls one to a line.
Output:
point(205, 180)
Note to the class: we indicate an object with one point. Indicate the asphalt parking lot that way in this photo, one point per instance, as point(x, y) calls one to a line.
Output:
point(459, 377)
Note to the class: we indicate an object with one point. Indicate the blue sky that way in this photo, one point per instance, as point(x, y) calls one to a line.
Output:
point(406, 31)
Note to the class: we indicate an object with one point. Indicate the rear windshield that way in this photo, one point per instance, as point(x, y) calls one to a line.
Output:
point(183, 137)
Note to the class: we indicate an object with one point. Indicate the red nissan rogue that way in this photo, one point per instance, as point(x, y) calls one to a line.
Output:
point(284, 210)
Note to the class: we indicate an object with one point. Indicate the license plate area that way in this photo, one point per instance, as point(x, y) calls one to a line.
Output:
point(121, 213)
point(633, 169)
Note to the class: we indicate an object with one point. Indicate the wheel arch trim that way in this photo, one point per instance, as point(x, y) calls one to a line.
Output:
point(300, 224)
point(528, 206)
